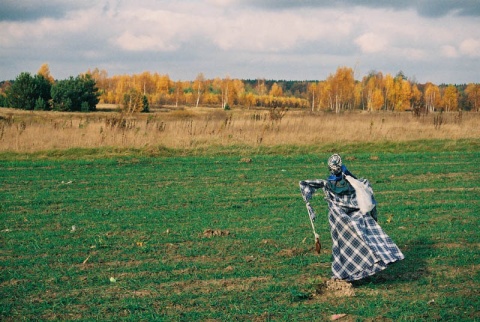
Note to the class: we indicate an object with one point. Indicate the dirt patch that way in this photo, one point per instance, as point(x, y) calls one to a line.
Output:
point(291, 252)
point(215, 232)
point(215, 285)
point(246, 160)
point(142, 293)
point(270, 242)
point(456, 245)
point(335, 288)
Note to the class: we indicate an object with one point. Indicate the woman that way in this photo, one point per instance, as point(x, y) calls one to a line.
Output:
point(360, 247)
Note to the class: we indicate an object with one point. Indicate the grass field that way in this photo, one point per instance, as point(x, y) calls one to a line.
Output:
point(200, 128)
point(223, 236)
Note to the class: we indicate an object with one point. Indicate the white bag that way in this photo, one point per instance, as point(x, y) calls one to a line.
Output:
point(364, 194)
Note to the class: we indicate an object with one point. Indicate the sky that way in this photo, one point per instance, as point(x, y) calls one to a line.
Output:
point(428, 40)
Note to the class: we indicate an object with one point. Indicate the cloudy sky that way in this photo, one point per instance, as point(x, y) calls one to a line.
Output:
point(429, 40)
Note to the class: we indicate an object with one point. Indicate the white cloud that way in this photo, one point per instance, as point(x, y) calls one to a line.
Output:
point(270, 32)
point(241, 38)
point(414, 54)
point(150, 30)
point(470, 47)
point(131, 42)
point(371, 43)
point(239, 30)
point(449, 51)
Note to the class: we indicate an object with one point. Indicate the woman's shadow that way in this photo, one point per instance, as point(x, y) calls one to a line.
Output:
point(413, 267)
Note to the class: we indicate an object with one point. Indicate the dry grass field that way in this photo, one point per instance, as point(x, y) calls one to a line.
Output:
point(187, 128)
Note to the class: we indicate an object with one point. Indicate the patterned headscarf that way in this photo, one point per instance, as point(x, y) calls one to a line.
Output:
point(335, 164)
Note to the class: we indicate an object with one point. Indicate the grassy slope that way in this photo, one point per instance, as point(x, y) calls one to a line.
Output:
point(142, 219)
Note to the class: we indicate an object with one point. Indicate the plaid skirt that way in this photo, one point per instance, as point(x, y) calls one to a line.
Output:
point(360, 247)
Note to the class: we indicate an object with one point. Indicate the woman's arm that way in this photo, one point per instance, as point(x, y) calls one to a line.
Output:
point(308, 188)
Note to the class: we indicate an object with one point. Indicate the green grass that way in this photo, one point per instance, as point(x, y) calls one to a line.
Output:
point(141, 219)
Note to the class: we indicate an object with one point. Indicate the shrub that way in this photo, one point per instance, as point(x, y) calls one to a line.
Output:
point(26, 90)
point(75, 94)
point(40, 104)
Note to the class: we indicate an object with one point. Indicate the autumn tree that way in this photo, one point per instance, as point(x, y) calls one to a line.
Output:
point(416, 97)
point(324, 90)
point(163, 89)
point(133, 101)
point(178, 92)
point(404, 94)
point(261, 87)
point(432, 97)
point(341, 89)
point(45, 72)
point(145, 83)
point(372, 91)
point(377, 99)
point(221, 87)
point(199, 88)
point(122, 84)
point(473, 96)
point(102, 82)
point(311, 89)
point(389, 92)
point(237, 92)
point(276, 90)
point(338, 92)
point(397, 92)
point(450, 98)
point(250, 100)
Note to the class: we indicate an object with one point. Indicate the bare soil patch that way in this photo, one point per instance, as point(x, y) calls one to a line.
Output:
point(335, 288)
point(215, 232)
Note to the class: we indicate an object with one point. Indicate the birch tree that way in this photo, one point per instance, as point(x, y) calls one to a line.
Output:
point(473, 96)
point(311, 89)
point(199, 88)
point(432, 97)
point(342, 86)
point(450, 98)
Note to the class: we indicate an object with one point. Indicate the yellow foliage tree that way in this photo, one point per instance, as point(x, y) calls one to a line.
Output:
point(324, 93)
point(238, 92)
point(389, 92)
point(338, 92)
point(276, 90)
point(199, 88)
point(404, 95)
point(45, 72)
point(163, 84)
point(341, 89)
point(250, 100)
point(372, 91)
point(377, 100)
point(450, 98)
point(473, 95)
point(178, 92)
point(416, 98)
point(311, 89)
point(102, 82)
point(432, 97)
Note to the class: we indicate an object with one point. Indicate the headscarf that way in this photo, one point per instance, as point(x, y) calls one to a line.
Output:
point(336, 168)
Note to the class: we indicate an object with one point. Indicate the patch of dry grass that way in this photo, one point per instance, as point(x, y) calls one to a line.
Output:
point(25, 131)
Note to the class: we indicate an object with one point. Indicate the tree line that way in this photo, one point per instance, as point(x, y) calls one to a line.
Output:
point(42, 92)
point(338, 92)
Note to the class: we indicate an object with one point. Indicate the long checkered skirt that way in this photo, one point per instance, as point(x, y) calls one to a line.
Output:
point(360, 247)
